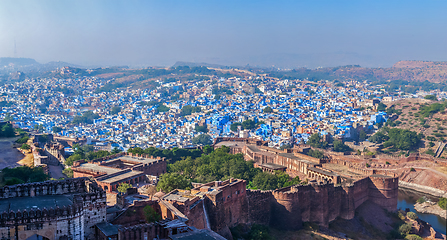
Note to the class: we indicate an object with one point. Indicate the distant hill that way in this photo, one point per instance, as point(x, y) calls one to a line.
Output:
point(4, 61)
point(193, 64)
point(411, 71)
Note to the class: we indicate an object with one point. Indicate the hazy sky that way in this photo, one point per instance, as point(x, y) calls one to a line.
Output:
point(281, 33)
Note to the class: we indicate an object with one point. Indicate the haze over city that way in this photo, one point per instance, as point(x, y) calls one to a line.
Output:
point(286, 34)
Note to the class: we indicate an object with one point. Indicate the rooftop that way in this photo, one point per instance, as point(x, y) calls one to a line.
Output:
point(38, 202)
point(117, 178)
point(107, 228)
point(272, 166)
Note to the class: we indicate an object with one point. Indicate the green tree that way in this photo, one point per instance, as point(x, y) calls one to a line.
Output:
point(285, 146)
point(68, 172)
point(188, 110)
point(203, 139)
point(443, 203)
point(23, 139)
point(73, 158)
point(7, 131)
point(56, 129)
point(150, 214)
point(412, 215)
point(199, 128)
point(115, 110)
point(339, 146)
point(233, 126)
point(265, 181)
point(248, 124)
point(316, 154)
point(431, 97)
point(162, 108)
point(208, 149)
point(87, 117)
point(115, 150)
point(316, 141)
point(362, 135)
point(171, 181)
point(413, 237)
point(122, 188)
point(25, 146)
point(404, 229)
point(379, 137)
point(24, 174)
point(267, 110)
point(381, 107)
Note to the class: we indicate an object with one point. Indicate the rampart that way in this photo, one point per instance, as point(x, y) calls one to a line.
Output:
point(320, 203)
point(52, 209)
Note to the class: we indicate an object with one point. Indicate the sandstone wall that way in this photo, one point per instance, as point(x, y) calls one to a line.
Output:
point(228, 207)
point(259, 206)
point(383, 191)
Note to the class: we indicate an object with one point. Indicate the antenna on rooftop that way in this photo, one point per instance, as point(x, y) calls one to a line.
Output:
point(15, 48)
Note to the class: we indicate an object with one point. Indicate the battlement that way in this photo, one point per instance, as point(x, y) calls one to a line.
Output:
point(73, 205)
point(74, 185)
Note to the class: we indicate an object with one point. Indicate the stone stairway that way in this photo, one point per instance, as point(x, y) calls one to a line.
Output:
point(440, 149)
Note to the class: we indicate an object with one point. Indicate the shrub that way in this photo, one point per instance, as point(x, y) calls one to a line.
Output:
point(25, 146)
point(68, 172)
point(400, 215)
point(413, 237)
point(122, 188)
point(150, 214)
point(412, 215)
point(405, 228)
point(443, 203)
point(421, 200)
point(23, 139)
point(412, 169)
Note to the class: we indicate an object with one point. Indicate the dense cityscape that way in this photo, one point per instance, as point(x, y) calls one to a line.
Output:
point(279, 111)
point(223, 120)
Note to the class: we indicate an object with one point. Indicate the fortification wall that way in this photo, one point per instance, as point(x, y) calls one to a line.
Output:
point(228, 206)
point(140, 231)
point(259, 206)
point(320, 203)
point(383, 191)
point(359, 191)
point(286, 211)
point(75, 221)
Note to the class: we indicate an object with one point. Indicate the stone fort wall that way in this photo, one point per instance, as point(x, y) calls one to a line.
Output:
point(75, 221)
point(289, 207)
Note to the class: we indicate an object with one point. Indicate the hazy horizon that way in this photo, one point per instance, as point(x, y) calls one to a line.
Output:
point(287, 34)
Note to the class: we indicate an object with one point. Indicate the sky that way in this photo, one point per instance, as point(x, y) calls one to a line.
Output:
point(285, 34)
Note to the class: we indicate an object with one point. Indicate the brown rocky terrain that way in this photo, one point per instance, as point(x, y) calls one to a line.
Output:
point(434, 128)
point(414, 71)
point(430, 207)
